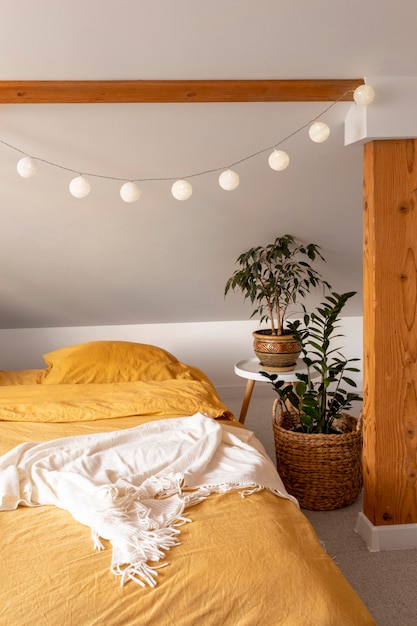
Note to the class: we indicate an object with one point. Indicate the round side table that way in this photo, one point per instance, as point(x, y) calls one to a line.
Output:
point(250, 369)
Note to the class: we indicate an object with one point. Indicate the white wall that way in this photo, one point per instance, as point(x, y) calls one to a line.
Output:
point(214, 347)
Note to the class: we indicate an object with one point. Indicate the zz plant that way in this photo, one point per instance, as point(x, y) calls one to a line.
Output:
point(320, 395)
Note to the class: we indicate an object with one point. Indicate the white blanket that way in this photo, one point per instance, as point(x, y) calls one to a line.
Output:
point(132, 486)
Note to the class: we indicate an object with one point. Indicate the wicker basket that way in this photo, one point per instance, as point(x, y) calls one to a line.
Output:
point(323, 472)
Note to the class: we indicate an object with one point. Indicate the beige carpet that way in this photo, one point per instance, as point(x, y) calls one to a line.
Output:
point(386, 581)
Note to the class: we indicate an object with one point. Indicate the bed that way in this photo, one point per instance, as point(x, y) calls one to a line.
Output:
point(241, 553)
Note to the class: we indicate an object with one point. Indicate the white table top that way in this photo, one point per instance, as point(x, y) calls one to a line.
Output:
point(250, 368)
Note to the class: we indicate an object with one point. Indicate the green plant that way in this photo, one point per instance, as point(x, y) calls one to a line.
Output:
point(319, 397)
point(275, 276)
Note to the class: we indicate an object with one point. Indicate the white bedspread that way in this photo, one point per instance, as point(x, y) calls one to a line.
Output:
point(132, 486)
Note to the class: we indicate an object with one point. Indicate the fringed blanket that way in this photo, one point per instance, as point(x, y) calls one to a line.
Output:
point(131, 487)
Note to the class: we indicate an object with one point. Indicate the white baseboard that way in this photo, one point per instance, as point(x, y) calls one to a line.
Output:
point(393, 537)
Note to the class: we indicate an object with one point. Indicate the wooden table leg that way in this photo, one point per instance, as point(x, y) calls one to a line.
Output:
point(246, 399)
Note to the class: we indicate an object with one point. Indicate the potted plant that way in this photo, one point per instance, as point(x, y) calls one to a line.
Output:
point(318, 445)
point(274, 278)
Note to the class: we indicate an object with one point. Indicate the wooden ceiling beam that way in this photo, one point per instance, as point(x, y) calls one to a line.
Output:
point(164, 91)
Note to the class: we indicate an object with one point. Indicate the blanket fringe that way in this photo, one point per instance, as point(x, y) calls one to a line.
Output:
point(142, 523)
point(141, 573)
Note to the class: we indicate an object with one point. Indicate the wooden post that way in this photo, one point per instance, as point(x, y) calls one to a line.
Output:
point(390, 331)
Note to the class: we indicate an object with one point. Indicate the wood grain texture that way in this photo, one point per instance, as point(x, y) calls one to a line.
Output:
point(124, 91)
point(390, 331)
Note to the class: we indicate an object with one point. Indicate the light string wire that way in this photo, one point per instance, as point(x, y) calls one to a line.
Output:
point(193, 175)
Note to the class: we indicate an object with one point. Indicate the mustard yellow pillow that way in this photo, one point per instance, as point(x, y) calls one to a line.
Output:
point(111, 361)
point(21, 377)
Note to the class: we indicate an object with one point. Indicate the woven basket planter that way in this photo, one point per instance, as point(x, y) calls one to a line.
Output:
point(324, 472)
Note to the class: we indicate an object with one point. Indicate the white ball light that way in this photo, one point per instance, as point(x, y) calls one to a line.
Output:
point(229, 180)
point(364, 94)
point(278, 160)
point(181, 190)
point(79, 187)
point(27, 167)
point(319, 132)
point(130, 192)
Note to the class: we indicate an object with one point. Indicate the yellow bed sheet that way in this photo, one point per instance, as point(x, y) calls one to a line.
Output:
point(242, 562)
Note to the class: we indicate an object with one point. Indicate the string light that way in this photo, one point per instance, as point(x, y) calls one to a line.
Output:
point(181, 189)
point(278, 160)
point(229, 180)
point(79, 187)
point(27, 167)
point(364, 95)
point(129, 192)
point(319, 132)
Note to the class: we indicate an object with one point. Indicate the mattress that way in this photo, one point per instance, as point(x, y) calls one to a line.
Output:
point(241, 561)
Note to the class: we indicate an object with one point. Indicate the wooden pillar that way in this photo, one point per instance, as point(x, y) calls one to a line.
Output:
point(390, 331)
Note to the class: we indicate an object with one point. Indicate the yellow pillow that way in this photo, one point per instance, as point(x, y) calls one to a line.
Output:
point(112, 361)
point(21, 377)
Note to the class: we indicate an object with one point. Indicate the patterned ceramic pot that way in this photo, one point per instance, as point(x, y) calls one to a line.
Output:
point(276, 352)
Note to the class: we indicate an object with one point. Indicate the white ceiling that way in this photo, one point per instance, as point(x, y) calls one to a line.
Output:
point(101, 261)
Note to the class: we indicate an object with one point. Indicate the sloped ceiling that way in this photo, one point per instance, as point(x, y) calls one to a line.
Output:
point(100, 260)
